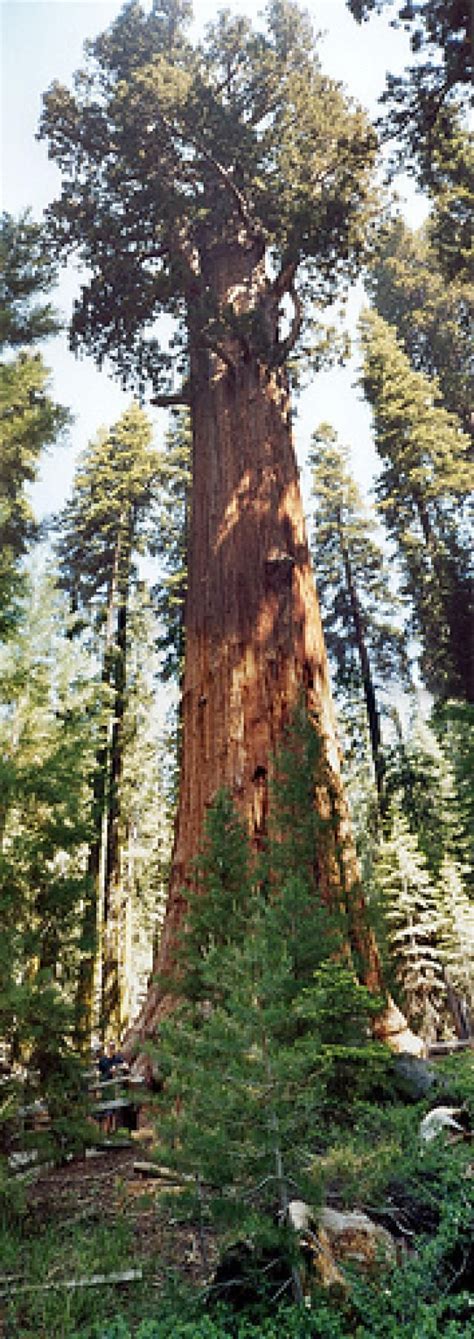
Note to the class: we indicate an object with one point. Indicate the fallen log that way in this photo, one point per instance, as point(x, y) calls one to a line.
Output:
point(440, 1048)
point(162, 1173)
point(94, 1281)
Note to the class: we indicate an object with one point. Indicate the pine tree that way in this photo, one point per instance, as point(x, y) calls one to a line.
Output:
point(409, 903)
point(449, 226)
point(433, 318)
point(454, 726)
point(267, 1028)
point(420, 774)
point(365, 646)
point(423, 785)
point(422, 488)
point(147, 803)
point(423, 105)
point(30, 418)
point(456, 943)
point(230, 186)
point(102, 530)
point(47, 730)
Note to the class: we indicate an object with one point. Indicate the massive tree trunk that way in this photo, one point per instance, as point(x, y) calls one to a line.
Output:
point(254, 641)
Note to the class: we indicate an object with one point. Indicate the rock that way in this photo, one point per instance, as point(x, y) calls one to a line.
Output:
point(414, 1078)
point(324, 1265)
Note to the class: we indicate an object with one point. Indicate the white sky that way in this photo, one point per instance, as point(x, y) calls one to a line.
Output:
point(42, 40)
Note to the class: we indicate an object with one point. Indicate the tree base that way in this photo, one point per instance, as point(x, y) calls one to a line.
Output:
point(391, 1027)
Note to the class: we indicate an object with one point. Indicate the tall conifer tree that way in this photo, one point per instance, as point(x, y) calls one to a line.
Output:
point(30, 419)
point(422, 490)
point(427, 104)
point(101, 531)
point(433, 318)
point(230, 185)
point(358, 605)
point(48, 725)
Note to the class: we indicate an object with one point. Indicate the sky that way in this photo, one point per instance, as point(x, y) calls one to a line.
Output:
point(41, 41)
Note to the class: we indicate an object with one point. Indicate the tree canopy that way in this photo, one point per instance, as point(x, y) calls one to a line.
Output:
point(433, 318)
point(423, 105)
point(166, 148)
point(422, 489)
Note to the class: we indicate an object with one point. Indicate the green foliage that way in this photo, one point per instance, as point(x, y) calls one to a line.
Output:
point(352, 573)
point(107, 520)
point(422, 782)
point(409, 900)
point(26, 270)
point(422, 489)
point(30, 419)
point(428, 820)
point(359, 608)
point(424, 104)
point(42, 1252)
point(47, 736)
point(449, 226)
point(373, 1158)
point(166, 148)
point(267, 1032)
point(454, 725)
point(170, 545)
point(293, 1322)
point(433, 318)
point(103, 529)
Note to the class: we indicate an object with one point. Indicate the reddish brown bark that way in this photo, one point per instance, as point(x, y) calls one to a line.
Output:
point(254, 641)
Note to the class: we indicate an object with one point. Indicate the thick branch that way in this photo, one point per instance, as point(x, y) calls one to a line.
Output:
point(284, 282)
point(255, 228)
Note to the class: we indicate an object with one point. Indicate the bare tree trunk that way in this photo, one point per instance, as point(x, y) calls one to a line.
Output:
point(112, 1003)
point(367, 681)
point(89, 989)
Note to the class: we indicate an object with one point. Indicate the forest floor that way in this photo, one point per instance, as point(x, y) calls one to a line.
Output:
point(93, 1219)
point(98, 1249)
point(105, 1187)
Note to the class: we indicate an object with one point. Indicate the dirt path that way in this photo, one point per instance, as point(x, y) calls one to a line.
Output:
point(105, 1188)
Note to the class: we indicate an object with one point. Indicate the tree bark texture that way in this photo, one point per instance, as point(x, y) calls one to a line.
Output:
point(254, 640)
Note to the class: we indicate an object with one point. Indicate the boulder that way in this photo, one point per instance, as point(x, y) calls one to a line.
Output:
point(414, 1077)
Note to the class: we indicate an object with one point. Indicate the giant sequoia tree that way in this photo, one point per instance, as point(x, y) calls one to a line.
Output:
point(229, 185)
